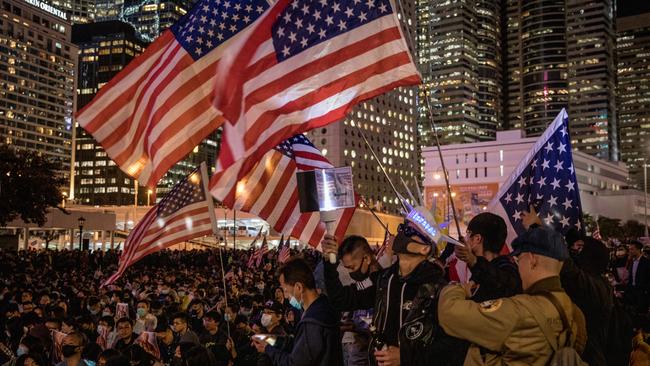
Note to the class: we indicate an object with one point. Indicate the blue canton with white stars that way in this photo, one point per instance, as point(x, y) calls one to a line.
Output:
point(306, 23)
point(286, 147)
point(184, 193)
point(549, 183)
point(212, 22)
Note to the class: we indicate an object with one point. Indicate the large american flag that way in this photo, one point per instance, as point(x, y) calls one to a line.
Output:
point(269, 191)
point(154, 112)
point(181, 215)
point(545, 178)
point(305, 64)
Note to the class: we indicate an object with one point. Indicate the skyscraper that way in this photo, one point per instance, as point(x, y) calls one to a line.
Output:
point(78, 11)
point(148, 17)
point(105, 48)
point(633, 92)
point(390, 124)
point(37, 80)
point(459, 52)
point(560, 54)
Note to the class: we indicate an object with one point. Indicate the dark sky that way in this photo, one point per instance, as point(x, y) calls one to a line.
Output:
point(632, 7)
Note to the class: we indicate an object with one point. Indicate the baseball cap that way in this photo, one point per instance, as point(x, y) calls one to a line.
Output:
point(543, 241)
point(275, 307)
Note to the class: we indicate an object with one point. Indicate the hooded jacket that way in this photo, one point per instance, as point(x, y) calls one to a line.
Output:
point(317, 340)
point(405, 311)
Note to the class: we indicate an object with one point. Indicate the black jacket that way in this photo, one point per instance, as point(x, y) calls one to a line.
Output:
point(405, 312)
point(642, 276)
point(496, 279)
point(317, 340)
point(595, 298)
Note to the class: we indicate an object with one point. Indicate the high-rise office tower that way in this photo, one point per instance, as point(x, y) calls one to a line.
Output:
point(633, 92)
point(390, 124)
point(37, 80)
point(591, 78)
point(148, 17)
point(459, 53)
point(105, 48)
point(78, 11)
point(560, 55)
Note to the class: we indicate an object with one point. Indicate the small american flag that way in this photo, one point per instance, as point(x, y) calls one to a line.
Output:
point(269, 191)
point(305, 64)
point(285, 251)
point(596, 235)
point(251, 259)
point(181, 215)
point(384, 245)
point(261, 252)
point(154, 112)
point(545, 178)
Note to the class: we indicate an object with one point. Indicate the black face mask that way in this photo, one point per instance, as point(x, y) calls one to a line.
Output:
point(69, 350)
point(401, 242)
point(358, 275)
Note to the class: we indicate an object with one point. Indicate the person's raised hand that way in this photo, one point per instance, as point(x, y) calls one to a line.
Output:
point(329, 244)
point(529, 218)
point(464, 253)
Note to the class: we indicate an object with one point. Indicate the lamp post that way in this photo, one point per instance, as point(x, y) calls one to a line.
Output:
point(81, 221)
point(645, 195)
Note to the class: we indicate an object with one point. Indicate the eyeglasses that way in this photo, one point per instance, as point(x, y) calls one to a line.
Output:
point(409, 231)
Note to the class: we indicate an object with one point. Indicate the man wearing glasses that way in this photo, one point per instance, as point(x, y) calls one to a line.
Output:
point(493, 275)
point(404, 297)
point(529, 328)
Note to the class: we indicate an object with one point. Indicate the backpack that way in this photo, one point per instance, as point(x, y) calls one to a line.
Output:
point(564, 355)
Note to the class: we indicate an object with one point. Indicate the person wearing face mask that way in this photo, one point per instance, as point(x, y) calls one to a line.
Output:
point(145, 321)
point(317, 340)
point(359, 262)
point(196, 310)
point(180, 323)
point(166, 342)
point(272, 318)
point(404, 327)
point(93, 308)
point(71, 348)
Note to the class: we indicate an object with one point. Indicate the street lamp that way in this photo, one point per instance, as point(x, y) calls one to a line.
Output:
point(645, 195)
point(149, 192)
point(81, 221)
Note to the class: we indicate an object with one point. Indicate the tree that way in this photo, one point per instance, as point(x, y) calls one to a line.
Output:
point(633, 229)
point(609, 228)
point(29, 185)
point(47, 236)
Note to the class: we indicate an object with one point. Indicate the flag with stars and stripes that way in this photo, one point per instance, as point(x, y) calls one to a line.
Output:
point(155, 111)
point(546, 179)
point(270, 191)
point(305, 64)
point(285, 250)
point(181, 215)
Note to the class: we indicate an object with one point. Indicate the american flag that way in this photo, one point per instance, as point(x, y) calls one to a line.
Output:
point(269, 191)
point(545, 178)
point(259, 254)
point(154, 112)
point(305, 64)
point(384, 245)
point(181, 215)
point(596, 234)
point(251, 259)
point(285, 251)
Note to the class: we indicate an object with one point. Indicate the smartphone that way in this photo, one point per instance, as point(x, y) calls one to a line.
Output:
point(268, 338)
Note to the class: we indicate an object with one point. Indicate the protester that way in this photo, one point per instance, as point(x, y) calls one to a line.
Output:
point(495, 275)
point(638, 286)
point(405, 328)
point(518, 329)
point(71, 348)
point(317, 340)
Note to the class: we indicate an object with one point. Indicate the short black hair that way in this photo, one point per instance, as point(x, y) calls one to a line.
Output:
point(297, 270)
point(181, 316)
point(492, 229)
point(213, 315)
point(637, 244)
point(108, 320)
point(124, 320)
point(143, 301)
point(353, 243)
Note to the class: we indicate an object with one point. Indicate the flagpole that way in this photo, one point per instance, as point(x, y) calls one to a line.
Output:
point(381, 166)
point(215, 231)
point(374, 214)
point(234, 233)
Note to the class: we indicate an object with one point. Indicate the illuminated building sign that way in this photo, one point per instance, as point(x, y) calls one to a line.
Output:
point(48, 8)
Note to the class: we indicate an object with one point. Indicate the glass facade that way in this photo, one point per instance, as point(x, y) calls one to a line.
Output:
point(37, 78)
point(633, 93)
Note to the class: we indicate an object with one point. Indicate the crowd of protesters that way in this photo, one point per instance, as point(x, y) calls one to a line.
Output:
point(170, 308)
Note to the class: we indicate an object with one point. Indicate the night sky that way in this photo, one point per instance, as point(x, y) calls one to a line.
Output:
point(632, 7)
